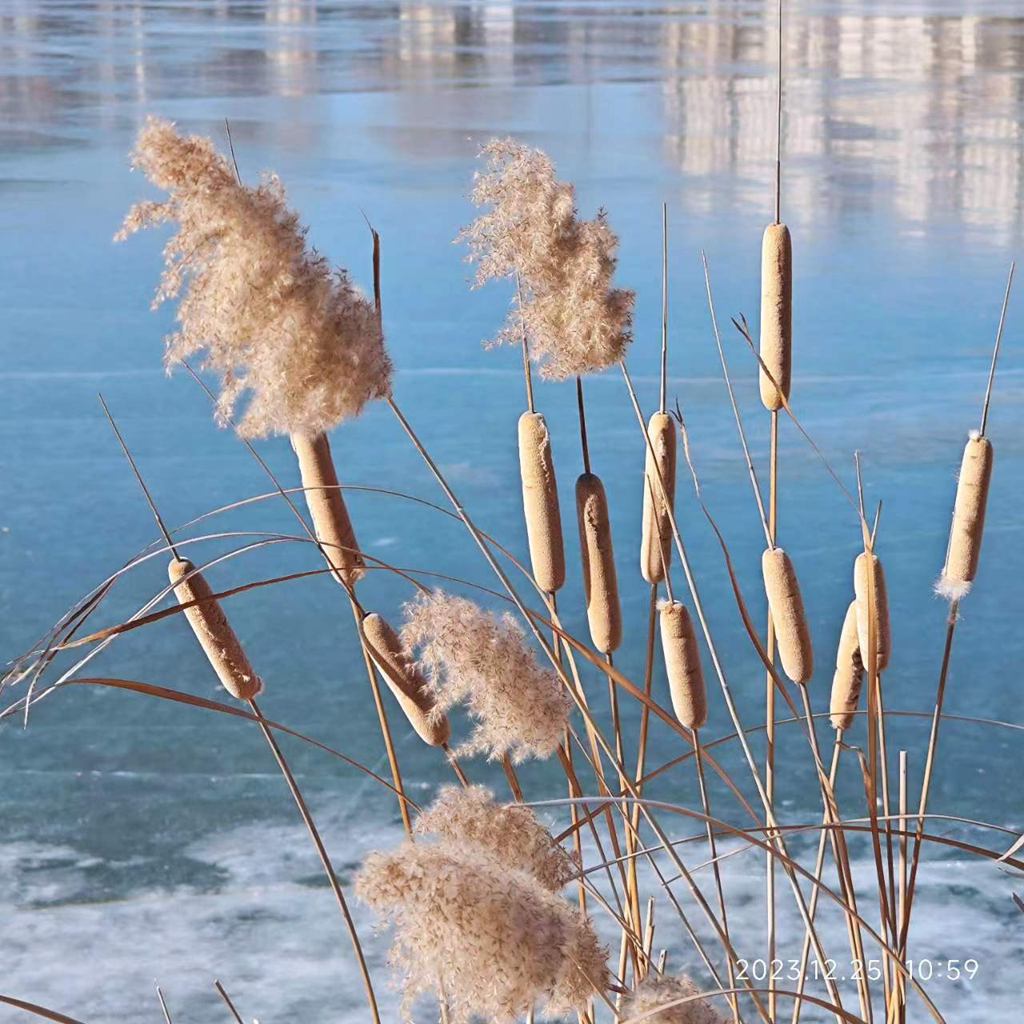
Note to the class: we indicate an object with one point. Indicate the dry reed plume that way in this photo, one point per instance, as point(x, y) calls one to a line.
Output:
point(787, 609)
point(510, 835)
point(656, 539)
point(849, 675)
point(683, 665)
point(269, 315)
point(575, 321)
point(476, 657)
point(494, 940)
point(540, 503)
point(968, 527)
point(656, 1001)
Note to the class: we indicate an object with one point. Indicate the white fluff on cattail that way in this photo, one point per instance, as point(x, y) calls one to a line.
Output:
point(509, 834)
point(494, 940)
point(575, 321)
point(271, 316)
point(656, 1001)
point(472, 656)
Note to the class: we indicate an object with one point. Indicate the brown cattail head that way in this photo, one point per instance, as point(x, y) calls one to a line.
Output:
point(221, 646)
point(968, 520)
point(682, 665)
point(787, 610)
point(540, 503)
point(657, 528)
point(849, 674)
point(600, 583)
point(405, 681)
point(776, 314)
point(872, 597)
point(656, 1000)
point(331, 521)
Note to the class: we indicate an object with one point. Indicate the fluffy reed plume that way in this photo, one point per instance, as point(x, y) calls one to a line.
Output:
point(776, 341)
point(965, 534)
point(682, 665)
point(656, 542)
point(540, 503)
point(331, 521)
point(787, 608)
point(221, 646)
point(269, 315)
point(600, 583)
point(494, 940)
point(482, 659)
point(575, 322)
point(645, 1002)
point(849, 675)
point(405, 681)
point(510, 835)
point(871, 594)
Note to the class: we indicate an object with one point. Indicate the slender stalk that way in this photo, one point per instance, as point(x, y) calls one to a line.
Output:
point(163, 1006)
point(583, 424)
point(222, 992)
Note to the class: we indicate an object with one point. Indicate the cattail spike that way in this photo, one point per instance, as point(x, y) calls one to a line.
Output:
point(682, 665)
point(213, 631)
point(787, 610)
point(540, 503)
point(776, 315)
point(405, 681)
point(656, 544)
point(600, 583)
point(849, 674)
point(331, 521)
point(872, 596)
point(965, 534)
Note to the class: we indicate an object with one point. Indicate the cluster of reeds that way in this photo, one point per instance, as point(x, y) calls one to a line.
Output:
point(493, 914)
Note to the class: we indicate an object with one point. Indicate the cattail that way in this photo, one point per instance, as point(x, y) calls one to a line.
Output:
point(776, 315)
point(656, 545)
point(656, 1000)
point(600, 584)
point(872, 596)
point(968, 519)
point(405, 682)
point(682, 665)
point(222, 647)
point(326, 505)
point(849, 674)
point(787, 610)
point(510, 835)
point(492, 939)
point(540, 503)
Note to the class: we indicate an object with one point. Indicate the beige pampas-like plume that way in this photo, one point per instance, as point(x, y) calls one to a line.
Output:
point(849, 675)
point(476, 657)
point(575, 321)
point(787, 608)
point(269, 315)
point(656, 1001)
point(493, 940)
point(540, 503)
point(511, 835)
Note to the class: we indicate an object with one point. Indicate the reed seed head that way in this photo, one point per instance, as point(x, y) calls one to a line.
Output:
point(600, 582)
point(682, 665)
point(656, 541)
point(849, 675)
point(787, 610)
point(776, 346)
point(472, 656)
point(965, 535)
point(540, 503)
point(210, 625)
point(575, 321)
point(493, 939)
point(510, 835)
point(269, 315)
point(872, 597)
point(656, 1001)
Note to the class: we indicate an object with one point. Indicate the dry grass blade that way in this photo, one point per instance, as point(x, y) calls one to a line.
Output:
point(38, 1011)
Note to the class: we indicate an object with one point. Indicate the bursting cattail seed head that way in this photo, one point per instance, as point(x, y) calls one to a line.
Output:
point(652, 1002)
point(872, 596)
point(540, 503)
point(404, 681)
point(849, 675)
point(968, 526)
point(210, 625)
point(331, 522)
point(656, 543)
point(776, 344)
point(682, 665)
point(787, 609)
point(600, 583)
